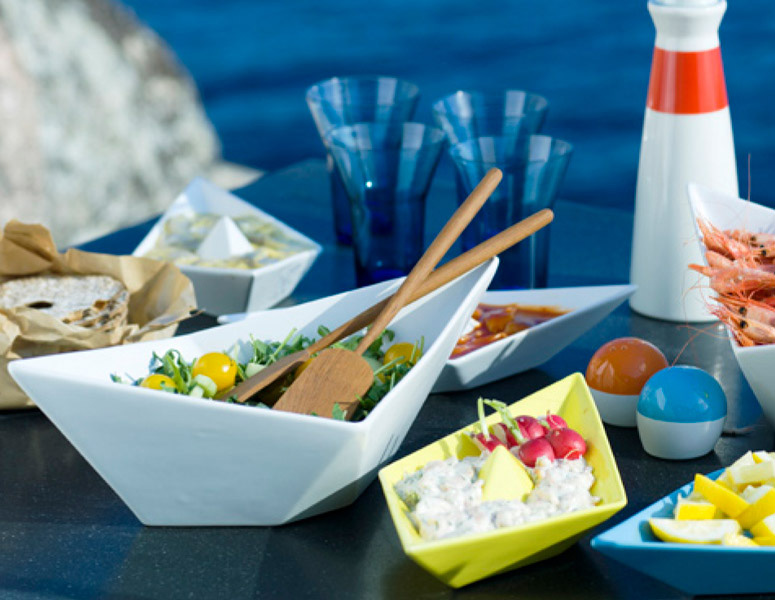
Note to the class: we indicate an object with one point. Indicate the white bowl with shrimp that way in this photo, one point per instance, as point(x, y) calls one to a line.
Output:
point(745, 320)
point(181, 461)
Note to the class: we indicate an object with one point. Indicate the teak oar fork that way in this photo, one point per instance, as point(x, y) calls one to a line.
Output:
point(340, 376)
point(441, 276)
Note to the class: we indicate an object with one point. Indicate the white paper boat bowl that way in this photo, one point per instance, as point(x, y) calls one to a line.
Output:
point(176, 460)
point(532, 347)
point(729, 212)
point(221, 291)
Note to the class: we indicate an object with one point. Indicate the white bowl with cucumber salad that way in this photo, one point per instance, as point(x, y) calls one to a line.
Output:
point(178, 460)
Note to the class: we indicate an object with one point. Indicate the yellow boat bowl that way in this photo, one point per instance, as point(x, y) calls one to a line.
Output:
point(458, 561)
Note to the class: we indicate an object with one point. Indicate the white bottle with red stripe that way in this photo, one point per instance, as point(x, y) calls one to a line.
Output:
point(687, 138)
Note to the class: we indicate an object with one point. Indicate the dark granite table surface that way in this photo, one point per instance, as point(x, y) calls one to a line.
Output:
point(65, 534)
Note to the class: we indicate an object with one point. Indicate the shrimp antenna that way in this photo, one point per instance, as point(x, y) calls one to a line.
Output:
point(697, 331)
point(749, 177)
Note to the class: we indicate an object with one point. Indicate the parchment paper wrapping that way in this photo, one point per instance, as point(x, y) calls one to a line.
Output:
point(160, 296)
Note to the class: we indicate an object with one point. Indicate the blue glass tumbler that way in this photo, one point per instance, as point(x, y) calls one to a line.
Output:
point(347, 100)
point(387, 171)
point(465, 115)
point(532, 175)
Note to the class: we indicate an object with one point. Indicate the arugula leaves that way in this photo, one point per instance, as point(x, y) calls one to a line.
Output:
point(173, 365)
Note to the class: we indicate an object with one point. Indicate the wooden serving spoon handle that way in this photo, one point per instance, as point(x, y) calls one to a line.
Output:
point(444, 274)
point(441, 276)
point(340, 377)
point(435, 252)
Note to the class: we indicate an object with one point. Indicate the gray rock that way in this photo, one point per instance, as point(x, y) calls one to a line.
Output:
point(100, 126)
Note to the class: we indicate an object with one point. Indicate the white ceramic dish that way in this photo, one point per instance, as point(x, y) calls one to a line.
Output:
point(728, 212)
point(176, 460)
point(220, 291)
point(532, 347)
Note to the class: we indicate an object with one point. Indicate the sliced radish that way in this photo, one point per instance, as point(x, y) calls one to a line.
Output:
point(567, 443)
point(501, 431)
point(486, 443)
point(554, 421)
point(531, 427)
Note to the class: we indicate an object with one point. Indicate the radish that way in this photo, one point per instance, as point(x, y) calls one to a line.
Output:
point(567, 443)
point(531, 427)
point(532, 450)
point(508, 421)
point(486, 443)
point(501, 431)
point(553, 421)
point(483, 439)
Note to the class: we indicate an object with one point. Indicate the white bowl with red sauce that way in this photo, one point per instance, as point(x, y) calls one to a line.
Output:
point(526, 349)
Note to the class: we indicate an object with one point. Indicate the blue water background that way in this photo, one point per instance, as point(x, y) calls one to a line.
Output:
point(253, 60)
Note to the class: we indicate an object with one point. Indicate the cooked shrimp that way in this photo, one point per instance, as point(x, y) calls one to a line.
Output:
point(745, 329)
point(718, 241)
point(717, 260)
point(750, 238)
point(736, 279)
point(738, 243)
point(749, 308)
point(741, 269)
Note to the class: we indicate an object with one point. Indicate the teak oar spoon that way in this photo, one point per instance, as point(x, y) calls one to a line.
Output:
point(441, 276)
point(339, 376)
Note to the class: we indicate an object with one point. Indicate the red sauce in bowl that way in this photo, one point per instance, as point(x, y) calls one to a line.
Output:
point(497, 321)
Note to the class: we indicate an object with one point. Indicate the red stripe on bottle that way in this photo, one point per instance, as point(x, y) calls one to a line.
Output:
point(687, 83)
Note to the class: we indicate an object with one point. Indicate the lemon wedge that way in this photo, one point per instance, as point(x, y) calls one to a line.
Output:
point(693, 510)
point(763, 505)
point(726, 482)
point(737, 539)
point(756, 473)
point(764, 541)
point(765, 527)
point(723, 498)
point(704, 531)
point(746, 459)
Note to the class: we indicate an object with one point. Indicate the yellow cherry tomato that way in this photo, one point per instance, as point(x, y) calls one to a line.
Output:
point(217, 366)
point(156, 380)
point(403, 351)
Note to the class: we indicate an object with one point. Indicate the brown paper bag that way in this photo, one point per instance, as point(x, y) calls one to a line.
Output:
point(160, 296)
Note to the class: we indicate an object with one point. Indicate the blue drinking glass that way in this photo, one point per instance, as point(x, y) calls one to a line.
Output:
point(532, 175)
point(347, 100)
point(387, 171)
point(465, 115)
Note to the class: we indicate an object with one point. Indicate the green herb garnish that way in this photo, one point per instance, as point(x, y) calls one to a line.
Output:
point(173, 365)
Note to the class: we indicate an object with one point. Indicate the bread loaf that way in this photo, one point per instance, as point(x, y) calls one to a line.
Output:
point(98, 302)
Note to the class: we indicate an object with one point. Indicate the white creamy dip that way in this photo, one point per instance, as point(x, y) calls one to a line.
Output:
point(445, 497)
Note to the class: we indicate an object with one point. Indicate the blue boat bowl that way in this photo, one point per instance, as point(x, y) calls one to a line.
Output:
point(695, 569)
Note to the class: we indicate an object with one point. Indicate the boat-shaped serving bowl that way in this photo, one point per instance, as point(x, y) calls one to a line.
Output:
point(728, 212)
point(459, 561)
point(177, 460)
point(694, 569)
point(226, 290)
point(586, 306)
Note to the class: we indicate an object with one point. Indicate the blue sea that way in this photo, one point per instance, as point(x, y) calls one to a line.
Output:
point(252, 61)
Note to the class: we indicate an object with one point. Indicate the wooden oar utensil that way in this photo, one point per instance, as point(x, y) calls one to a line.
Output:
point(441, 276)
point(342, 376)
